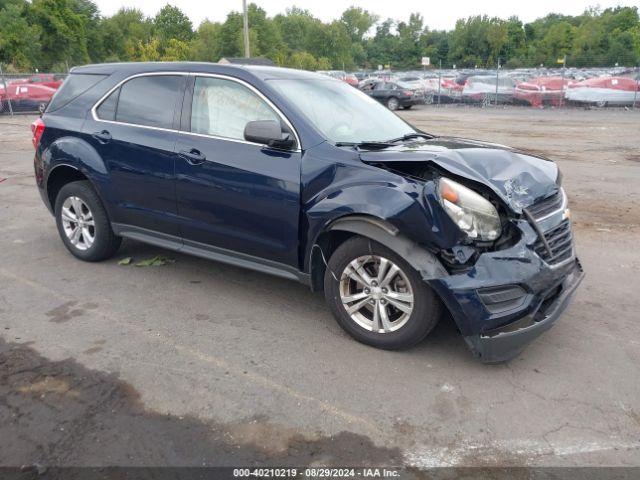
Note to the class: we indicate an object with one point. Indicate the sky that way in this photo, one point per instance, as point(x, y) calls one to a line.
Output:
point(437, 14)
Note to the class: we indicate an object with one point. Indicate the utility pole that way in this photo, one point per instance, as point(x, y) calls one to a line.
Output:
point(497, 82)
point(635, 93)
point(439, 81)
point(564, 73)
point(247, 51)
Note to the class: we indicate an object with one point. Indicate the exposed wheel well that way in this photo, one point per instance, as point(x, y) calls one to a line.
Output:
point(375, 229)
point(58, 178)
point(322, 250)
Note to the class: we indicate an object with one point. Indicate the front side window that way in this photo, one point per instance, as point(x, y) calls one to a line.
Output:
point(223, 108)
point(148, 101)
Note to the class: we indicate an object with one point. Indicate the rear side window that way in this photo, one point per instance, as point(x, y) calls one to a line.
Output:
point(148, 101)
point(74, 86)
point(107, 109)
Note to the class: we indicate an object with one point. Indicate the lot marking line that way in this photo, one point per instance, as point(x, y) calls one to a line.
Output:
point(526, 452)
point(219, 363)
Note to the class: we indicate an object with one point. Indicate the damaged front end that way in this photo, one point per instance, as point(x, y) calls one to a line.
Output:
point(508, 284)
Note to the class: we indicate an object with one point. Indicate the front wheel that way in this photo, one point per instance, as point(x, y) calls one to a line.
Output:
point(377, 297)
point(83, 224)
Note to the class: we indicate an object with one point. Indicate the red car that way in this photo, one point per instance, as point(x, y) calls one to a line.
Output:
point(351, 80)
point(46, 79)
point(25, 96)
point(542, 91)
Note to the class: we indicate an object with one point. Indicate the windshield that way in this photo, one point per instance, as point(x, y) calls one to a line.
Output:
point(341, 112)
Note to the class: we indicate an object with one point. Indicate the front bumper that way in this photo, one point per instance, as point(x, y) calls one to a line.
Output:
point(505, 343)
point(528, 296)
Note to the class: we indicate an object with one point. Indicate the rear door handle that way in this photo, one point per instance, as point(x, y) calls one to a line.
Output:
point(193, 156)
point(103, 137)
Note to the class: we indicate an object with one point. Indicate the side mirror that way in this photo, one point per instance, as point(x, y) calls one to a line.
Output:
point(268, 132)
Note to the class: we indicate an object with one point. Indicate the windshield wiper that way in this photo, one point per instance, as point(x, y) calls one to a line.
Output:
point(409, 136)
point(366, 144)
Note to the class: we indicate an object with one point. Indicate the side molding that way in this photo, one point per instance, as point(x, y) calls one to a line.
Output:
point(209, 252)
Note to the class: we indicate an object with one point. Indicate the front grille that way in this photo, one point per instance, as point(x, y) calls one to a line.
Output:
point(547, 205)
point(560, 242)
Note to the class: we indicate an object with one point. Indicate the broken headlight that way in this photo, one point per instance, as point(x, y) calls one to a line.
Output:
point(471, 212)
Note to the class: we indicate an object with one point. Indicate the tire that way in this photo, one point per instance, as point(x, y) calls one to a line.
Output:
point(393, 103)
point(81, 196)
point(403, 330)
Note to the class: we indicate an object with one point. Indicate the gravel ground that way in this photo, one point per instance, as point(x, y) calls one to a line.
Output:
point(198, 363)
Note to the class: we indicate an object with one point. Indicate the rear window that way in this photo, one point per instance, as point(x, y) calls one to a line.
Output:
point(74, 86)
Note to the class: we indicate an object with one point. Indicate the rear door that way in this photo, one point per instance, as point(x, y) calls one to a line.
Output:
point(134, 129)
point(234, 194)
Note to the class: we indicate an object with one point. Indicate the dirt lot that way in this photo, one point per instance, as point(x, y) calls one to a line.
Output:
point(198, 363)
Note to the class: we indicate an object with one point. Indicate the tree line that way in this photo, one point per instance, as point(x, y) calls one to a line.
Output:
point(54, 34)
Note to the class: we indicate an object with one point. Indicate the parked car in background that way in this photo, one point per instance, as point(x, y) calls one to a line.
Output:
point(604, 91)
point(300, 176)
point(483, 89)
point(360, 75)
point(25, 97)
point(462, 77)
point(542, 91)
point(340, 75)
point(450, 91)
point(412, 82)
point(395, 96)
point(351, 79)
point(417, 87)
point(368, 84)
point(50, 80)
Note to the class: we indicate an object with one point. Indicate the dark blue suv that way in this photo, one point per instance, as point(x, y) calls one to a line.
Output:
point(302, 176)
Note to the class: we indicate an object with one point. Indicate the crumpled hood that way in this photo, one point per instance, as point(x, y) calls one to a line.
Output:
point(516, 177)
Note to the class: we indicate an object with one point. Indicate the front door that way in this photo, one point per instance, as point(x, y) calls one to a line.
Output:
point(233, 194)
point(135, 135)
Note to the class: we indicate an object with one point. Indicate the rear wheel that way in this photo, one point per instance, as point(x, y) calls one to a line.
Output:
point(393, 103)
point(83, 224)
point(377, 297)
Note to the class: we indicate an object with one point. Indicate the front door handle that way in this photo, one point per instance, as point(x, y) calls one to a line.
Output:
point(103, 137)
point(193, 156)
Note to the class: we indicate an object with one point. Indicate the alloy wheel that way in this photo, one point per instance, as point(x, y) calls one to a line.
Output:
point(376, 294)
point(78, 223)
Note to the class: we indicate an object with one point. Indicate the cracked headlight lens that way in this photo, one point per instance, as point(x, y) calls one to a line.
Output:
point(471, 212)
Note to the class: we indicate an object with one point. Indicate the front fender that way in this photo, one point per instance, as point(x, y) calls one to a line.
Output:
point(402, 204)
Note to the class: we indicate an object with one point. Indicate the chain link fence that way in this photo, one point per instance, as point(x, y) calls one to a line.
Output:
point(27, 92)
point(616, 87)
